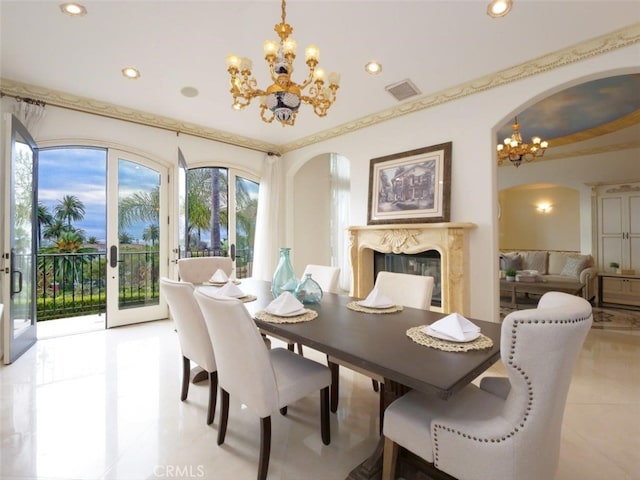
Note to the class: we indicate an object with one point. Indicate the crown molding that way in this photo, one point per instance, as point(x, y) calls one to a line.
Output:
point(87, 105)
point(617, 39)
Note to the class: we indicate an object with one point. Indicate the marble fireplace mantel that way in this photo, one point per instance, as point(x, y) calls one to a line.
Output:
point(449, 239)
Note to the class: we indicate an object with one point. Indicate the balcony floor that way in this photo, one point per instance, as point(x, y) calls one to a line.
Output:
point(70, 326)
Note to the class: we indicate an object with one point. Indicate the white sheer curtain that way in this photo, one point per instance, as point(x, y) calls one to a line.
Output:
point(340, 198)
point(30, 112)
point(267, 238)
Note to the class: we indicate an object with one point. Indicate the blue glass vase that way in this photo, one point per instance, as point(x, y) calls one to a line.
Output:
point(284, 278)
point(309, 291)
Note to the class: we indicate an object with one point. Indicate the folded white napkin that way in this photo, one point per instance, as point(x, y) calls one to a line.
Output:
point(219, 277)
point(285, 305)
point(377, 299)
point(230, 289)
point(454, 326)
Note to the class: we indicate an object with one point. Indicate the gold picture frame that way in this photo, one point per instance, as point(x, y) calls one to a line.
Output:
point(411, 187)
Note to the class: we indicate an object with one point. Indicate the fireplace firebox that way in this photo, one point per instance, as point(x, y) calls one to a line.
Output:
point(424, 263)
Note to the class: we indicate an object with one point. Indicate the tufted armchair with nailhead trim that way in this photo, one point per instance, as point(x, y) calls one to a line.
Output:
point(508, 428)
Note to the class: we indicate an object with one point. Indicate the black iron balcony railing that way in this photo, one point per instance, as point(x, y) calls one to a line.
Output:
point(73, 284)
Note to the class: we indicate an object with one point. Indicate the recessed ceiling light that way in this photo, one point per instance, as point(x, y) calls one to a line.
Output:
point(189, 92)
point(499, 8)
point(373, 68)
point(130, 72)
point(73, 9)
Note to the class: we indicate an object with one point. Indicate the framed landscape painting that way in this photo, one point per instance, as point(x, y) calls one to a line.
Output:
point(411, 187)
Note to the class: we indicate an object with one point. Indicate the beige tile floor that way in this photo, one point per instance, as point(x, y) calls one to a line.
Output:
point(105, 405)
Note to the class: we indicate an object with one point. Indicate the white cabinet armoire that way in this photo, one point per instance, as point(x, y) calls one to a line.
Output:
point(619, 226)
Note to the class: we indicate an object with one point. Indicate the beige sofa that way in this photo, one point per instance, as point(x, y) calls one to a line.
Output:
point(553, 265)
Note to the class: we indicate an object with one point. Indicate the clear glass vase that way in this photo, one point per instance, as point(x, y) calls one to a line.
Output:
point(284, 278)
point(309, 291)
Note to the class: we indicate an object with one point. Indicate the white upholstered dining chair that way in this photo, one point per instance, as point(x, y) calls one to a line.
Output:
point(200, 269)
point(193, 336)
point(264, 380)
point(413, 291)
point(508, 428)
point(326, 276)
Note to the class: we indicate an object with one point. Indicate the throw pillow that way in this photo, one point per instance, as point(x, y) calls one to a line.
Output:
point(557, 261)
point(575, 265)
point(536, 261)
point(509, 261)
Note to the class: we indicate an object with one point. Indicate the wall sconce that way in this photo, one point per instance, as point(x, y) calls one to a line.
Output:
point(544, 207)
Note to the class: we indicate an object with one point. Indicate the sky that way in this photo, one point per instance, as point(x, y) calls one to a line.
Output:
point(82, 172)
point(578, 108)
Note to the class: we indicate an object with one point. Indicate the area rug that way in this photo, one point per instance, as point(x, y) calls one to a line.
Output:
point(603, 318)
point(615, 319)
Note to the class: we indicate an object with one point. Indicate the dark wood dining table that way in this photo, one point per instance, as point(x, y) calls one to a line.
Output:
point(378, 343)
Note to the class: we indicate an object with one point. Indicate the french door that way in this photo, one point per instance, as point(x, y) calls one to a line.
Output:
point(19, 170)
point(218, 208)
point(137, 225)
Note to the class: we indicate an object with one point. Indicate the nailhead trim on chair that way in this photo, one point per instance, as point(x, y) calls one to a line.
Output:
point(524, 375)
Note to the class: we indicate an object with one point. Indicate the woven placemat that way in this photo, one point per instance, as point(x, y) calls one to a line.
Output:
point(359, 308)
point(248, 298)
point(305, 317)
point(417, 335)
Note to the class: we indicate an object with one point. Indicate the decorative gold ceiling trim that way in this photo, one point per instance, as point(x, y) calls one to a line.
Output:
point(591, 151)
point(597, 46)
point(87, 105)
point(622, 122)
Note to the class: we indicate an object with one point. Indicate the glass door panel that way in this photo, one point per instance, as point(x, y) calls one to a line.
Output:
point(137, 254)
point(207, 213)
point(221, 210)
point(18, 294)
point(246, 199)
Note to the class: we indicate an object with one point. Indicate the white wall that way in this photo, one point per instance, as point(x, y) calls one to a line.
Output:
point(311, 224)
point(470, 123)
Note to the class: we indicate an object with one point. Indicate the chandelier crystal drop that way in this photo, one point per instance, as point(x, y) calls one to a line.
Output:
point(516, 152)
point(282, 99)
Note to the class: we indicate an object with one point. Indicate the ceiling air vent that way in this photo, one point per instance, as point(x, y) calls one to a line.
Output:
point(403, 90)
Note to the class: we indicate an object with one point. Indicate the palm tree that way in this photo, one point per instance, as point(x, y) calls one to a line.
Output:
point(68, 267)
point(125, 238)
point(197, 216)
point(45, 218)
point(139, 207)
point(215, 208)
point(152, 232)
point(68, 242)
point(70, 208)
point(198, 203)
point(245, 233)
point(54, 229)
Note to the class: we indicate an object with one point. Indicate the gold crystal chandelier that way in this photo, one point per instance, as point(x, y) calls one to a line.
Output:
point(516, 151)
point(283, 97)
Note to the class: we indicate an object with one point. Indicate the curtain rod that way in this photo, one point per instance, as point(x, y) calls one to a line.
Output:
point(137, 122)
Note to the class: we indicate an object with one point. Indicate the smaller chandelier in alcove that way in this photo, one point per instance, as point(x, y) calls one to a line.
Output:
point(516, 151)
